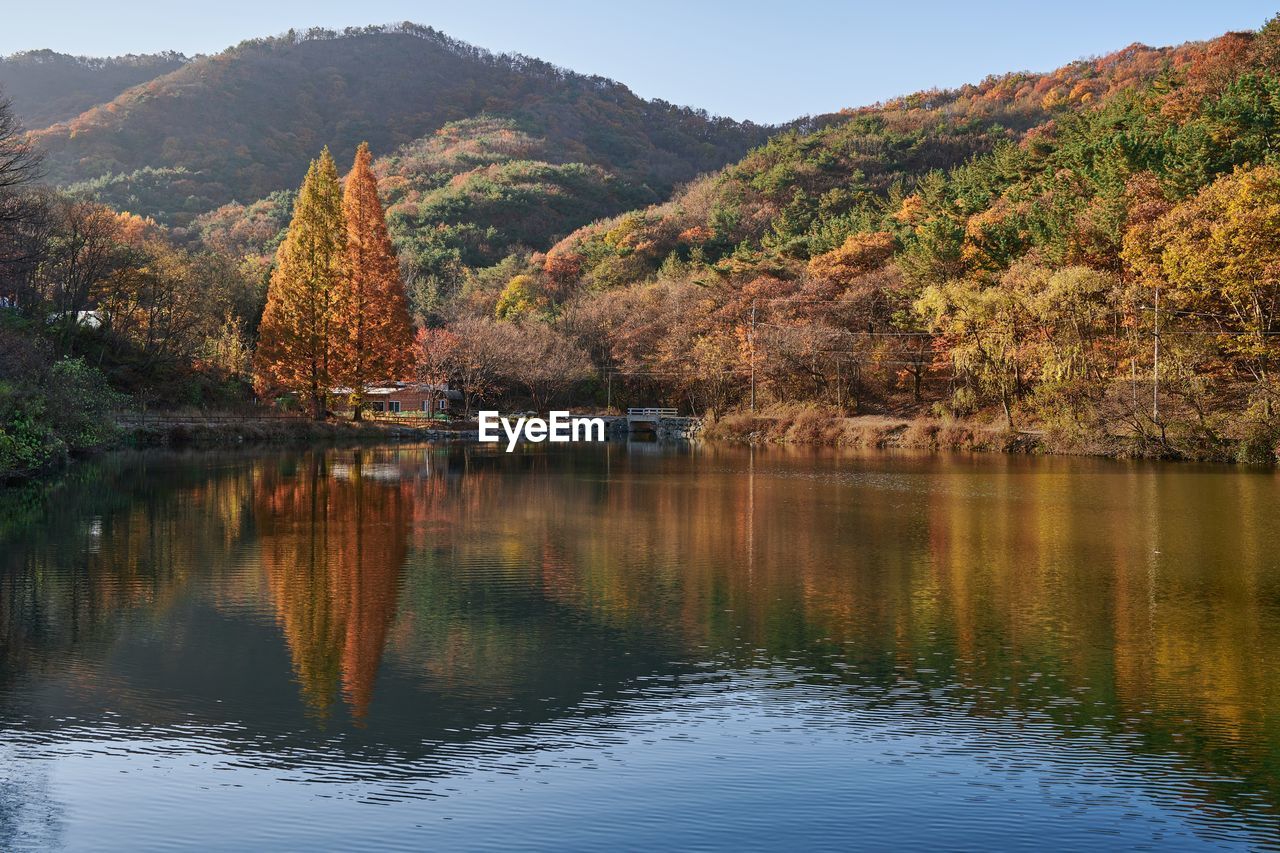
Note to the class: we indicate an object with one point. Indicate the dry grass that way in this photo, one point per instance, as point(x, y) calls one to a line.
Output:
point(822, 425)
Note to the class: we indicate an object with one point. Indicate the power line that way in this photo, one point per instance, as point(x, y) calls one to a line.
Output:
point(860, 332)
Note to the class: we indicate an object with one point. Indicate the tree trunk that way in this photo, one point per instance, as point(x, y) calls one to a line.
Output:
point(317, 403)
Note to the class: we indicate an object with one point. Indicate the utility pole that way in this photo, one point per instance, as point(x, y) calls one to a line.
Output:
point(1155, 364)
point(1133, 374)
point(839, 389)
point(751, 338)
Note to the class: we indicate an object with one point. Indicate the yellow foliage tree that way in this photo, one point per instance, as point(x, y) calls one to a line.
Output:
point(296, 346)
point(859, 254)
point(519, 298)
point(1217, 257)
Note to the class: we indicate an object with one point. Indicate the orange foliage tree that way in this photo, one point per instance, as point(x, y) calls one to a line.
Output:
point(376, 335)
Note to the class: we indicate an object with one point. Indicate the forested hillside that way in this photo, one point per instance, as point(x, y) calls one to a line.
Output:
point(464, 197)
point(47, 87)
point(486, 190)
point(996, 251)
point(803, 193)
point(244, 123)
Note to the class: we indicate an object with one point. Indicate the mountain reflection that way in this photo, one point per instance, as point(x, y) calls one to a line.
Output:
point(439, 596)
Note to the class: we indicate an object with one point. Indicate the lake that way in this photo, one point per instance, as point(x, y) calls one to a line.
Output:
point(638, 645)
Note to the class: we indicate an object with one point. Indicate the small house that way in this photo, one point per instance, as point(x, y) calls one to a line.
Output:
point(402, 398)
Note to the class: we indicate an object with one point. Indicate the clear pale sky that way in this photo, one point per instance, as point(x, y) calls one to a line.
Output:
point(767, 61)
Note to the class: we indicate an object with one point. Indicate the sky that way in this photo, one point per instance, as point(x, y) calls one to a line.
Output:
point(764, 61)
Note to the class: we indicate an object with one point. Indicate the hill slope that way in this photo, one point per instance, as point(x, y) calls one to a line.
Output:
point(805, 192)
point(467, 195)
point(46, 87)
point(478, 190)
point(244, 123)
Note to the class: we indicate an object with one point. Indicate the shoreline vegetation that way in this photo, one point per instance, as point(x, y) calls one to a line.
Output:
point(778, 424)
point(216, 431)
point(823, 426)
point(221, 431)
point(805, 424)
point(810, 424)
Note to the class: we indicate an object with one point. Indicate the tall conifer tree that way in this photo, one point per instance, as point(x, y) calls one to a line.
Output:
point(297, 337)
point(377, 334)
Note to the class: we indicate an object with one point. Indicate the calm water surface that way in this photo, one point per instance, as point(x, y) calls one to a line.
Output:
point(635, 646)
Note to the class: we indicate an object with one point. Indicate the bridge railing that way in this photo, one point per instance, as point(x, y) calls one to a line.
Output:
point(652, 413)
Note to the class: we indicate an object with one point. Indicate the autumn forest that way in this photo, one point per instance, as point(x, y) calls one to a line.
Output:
point(1085, 260)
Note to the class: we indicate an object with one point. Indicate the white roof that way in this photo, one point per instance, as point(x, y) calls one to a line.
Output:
point(396, 388)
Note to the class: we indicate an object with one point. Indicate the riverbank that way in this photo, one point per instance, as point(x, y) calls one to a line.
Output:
point(229, 431)
point(818, 427)
point(815, 425)
point(210, 432)
point(793, 425)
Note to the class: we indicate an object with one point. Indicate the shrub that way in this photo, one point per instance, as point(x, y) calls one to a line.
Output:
point(1258, 445)
point(79, 404)
point(48, 411)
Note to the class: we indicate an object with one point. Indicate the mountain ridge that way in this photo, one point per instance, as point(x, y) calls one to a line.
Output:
point(238, 139)
point(46, 87)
